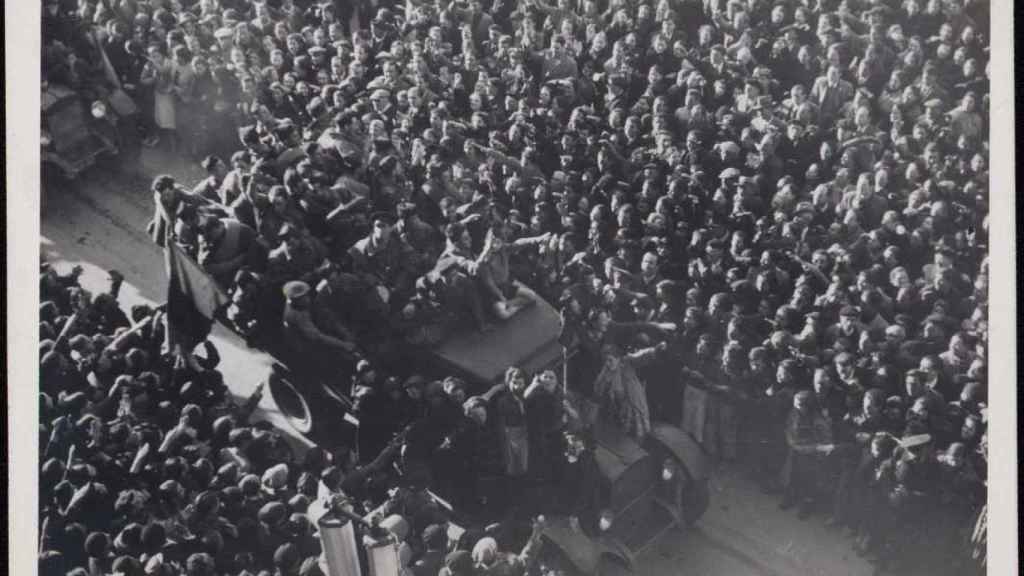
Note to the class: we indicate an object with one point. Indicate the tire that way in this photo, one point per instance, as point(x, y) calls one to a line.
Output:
point(292, 403)
point(307, 409)
point(696, 501)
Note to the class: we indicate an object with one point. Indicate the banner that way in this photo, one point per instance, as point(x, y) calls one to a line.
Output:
point(193, 298)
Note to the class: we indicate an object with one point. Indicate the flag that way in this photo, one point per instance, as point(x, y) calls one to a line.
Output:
point(193, 298)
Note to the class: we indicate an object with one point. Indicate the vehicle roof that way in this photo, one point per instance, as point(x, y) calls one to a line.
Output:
point(528, 340)
point(615, 452)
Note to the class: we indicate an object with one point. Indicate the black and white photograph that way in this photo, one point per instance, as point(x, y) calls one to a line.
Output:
point(512, 288)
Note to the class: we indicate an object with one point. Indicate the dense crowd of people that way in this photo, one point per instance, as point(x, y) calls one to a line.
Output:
point(150, 466)
point(765, 223)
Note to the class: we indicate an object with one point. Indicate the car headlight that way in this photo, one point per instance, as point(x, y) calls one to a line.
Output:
point(99, 109)
point(605, 520)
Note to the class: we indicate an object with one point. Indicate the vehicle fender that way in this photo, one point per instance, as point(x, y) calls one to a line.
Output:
point(585, 553)
point(687, 451)
point(303, 402)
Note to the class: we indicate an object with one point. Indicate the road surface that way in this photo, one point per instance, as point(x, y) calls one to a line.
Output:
point(99, 223)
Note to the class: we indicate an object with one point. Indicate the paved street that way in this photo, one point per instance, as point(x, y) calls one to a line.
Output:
point(100, 224)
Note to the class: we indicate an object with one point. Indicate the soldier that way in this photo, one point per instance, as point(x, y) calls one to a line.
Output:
point(301, 332)
point(386, 260)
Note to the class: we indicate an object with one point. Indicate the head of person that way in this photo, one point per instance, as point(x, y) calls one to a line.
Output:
point(515, 379)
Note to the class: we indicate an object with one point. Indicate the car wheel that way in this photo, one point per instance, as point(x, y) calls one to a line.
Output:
point(292, 404)
point(307, 409)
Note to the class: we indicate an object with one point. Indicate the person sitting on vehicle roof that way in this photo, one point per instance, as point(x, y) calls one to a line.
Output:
point(461, 271)
point(496, 278)
point(386, 259)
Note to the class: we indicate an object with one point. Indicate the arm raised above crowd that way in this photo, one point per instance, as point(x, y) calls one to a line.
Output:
point(645, 355)
point(531, 241)
point(500, 157)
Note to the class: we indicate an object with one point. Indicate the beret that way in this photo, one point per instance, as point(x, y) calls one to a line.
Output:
point(295, 289)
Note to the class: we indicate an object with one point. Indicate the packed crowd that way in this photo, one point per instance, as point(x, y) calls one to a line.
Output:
point(782, 206)
point(150, 466)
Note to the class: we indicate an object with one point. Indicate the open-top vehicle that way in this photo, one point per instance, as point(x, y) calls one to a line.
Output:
point(649, 486)
point(645, 489)
point(313, 403)
point(644, 486)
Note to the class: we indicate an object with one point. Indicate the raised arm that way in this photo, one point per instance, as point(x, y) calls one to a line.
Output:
point(531, 241)
point(500, 157)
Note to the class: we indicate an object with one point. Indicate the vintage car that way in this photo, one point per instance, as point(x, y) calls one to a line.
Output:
point(313, 404)
point(75, 133)
point(645, 489)
point(647, 486)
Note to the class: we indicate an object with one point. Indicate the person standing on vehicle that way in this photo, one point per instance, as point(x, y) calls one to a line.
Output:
point(621, 393)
